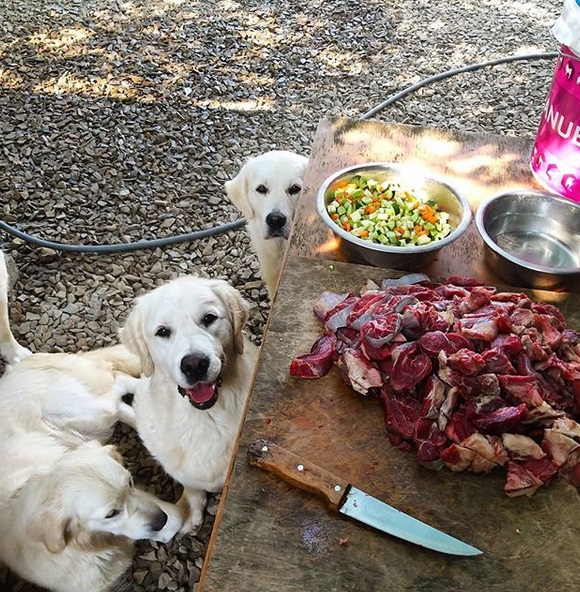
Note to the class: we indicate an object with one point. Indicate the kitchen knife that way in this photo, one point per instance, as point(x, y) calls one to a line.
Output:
point(341, 496)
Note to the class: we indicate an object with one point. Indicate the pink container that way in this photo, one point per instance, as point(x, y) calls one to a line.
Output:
point(555, 159)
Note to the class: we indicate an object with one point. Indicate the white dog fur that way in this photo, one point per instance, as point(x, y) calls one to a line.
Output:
point(58, 482)
point(198, 369)
point(266, 191)
point(70, 526)
point(10, 349)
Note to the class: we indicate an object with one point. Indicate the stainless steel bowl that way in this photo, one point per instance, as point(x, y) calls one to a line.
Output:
point(532, 239)
point(409, 257)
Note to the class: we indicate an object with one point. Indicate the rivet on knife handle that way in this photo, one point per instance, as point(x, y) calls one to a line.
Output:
point(298, 472)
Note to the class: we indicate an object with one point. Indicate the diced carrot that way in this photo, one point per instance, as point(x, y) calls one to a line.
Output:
point(334, 216)
point(364, 234)
point(347, 226)
point(428, 213)
point(399, 230)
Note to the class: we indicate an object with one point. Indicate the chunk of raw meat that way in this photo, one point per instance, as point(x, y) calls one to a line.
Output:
point(520, 481)
point(319, 361)
point(559, 446)
point(521, 447)
point(410, 368)
point(362, 375)
point(469, 377)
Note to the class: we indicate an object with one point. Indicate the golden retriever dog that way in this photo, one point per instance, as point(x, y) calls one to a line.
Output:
point(61, 399)
point(266, 191)
point(68, 509)
point(198, 368)
point(70, 526)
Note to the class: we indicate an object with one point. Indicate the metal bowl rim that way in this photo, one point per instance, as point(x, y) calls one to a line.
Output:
point(479, 223)
point(410, 250)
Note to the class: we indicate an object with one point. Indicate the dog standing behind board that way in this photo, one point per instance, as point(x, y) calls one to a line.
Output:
point(197, 369)
point(68, 508)
point(266, 191)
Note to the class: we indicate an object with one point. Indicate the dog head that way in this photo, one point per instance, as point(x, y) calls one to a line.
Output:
point(266, 190)
point(188, 330)
point(88, 500)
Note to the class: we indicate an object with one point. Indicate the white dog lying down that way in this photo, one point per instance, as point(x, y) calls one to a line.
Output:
point(50, 403)
point(199, 369)
point(69, 527)
point(68, 508)
point(266, 191)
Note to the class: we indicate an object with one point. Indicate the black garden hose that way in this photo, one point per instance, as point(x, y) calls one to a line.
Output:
point(198, 234)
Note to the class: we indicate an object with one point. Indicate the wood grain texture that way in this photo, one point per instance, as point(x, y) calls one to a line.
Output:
point(271, 536)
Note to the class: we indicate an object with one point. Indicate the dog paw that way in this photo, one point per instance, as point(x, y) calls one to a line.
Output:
point(192, 504)
point(192, 524)
point(174, 523)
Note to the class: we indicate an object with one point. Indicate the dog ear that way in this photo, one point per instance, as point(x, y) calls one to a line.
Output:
point(237, 192)
point(50, 527)
point(240, 317)
point(303, 162)
point(133, 338)
point(239, 310)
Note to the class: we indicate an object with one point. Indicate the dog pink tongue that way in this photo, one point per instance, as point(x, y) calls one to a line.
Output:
point(201, 393)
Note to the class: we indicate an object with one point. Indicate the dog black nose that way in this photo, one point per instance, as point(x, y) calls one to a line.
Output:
point(159, 522)
point(194, 367)
point(275, 220)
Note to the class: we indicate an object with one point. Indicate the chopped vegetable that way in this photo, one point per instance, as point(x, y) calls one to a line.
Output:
point(385, 213)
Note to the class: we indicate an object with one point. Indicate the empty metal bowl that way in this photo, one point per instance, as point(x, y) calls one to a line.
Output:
point(410, 257)
point(532, 239)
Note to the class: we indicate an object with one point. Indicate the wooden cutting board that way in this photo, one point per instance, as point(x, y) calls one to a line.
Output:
point(271, 536)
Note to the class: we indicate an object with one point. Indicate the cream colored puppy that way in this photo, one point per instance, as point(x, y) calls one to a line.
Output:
point(198, 370)
point(61, 399)
point(266, 191)
point(68, 509)
point(70, 527)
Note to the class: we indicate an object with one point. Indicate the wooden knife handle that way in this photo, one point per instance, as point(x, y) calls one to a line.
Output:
point(298, 472)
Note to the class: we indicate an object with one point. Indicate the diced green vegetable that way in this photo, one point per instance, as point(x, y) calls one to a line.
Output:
point(386, 213)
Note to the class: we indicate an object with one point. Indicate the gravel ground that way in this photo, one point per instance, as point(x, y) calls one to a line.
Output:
point(120, 121)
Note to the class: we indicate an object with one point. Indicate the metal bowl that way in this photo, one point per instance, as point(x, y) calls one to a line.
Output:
point(532, 239)
point(410, 257)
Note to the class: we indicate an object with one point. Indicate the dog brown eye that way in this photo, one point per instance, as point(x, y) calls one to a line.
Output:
point(262, 189)
point(163, 332)
point(112, 514)
point(208, 319)
point(294, 189)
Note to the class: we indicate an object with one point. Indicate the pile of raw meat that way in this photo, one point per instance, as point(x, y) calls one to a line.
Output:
point(469, 377)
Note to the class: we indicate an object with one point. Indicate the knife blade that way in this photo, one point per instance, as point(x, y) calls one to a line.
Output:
point(342, 497)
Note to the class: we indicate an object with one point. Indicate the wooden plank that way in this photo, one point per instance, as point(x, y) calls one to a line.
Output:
point(272, 536)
